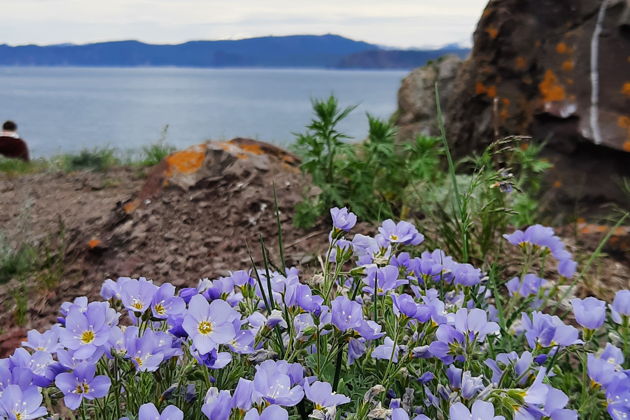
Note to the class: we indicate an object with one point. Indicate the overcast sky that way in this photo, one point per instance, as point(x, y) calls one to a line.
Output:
point(396, 23)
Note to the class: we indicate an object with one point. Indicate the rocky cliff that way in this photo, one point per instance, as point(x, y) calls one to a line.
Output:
point(557, 70)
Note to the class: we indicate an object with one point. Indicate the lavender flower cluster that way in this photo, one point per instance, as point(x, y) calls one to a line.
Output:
point(379, 333)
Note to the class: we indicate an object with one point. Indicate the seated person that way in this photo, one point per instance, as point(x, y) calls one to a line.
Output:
point(11, 145)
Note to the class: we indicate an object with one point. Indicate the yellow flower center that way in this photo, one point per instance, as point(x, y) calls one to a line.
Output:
point(87, 336)
point(204, 327)
point(18, 416)
point(393, 237)
point(138, 361)
point(82, 388)
point(137, 305)
point(160, 309)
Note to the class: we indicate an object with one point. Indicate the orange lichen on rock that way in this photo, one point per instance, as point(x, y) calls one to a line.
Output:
point(93, 243)
point(492, 31)
point(551, 89)
point(626, 89)
point(568, 65)
point(131, 206)
point(252, 148)
point(589, 228)
point(562, 48)
point(624, 122)
point(520, 63)
point(186, 161)
point(481, 89)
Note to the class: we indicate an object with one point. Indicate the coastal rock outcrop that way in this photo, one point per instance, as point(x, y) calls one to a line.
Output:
point(559, 71)
point(416, 96)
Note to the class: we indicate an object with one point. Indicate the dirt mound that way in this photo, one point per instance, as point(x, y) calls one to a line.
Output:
point(196, 212)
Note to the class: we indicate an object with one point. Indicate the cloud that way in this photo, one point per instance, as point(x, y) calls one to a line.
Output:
point(399, 23)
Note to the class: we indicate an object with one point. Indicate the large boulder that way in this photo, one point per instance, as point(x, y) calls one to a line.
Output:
point(557, 70)
point(416, 96)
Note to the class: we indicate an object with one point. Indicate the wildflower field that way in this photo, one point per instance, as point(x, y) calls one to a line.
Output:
point(387, 329)
point(477, 320)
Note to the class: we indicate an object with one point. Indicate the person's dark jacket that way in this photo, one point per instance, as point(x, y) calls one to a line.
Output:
point(12, 147)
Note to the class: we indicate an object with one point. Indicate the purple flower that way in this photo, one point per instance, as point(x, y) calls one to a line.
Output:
point(111, 289)
point(69, 361)
point(448, 345)
point(466, 274)
point(590, 312)
point(276, 383)
point(383, 279)
point(387, 351)
point(306, 299)
point(528, 286)
point(82, 383)
point(606, 368)
point(137, 295)
point(480, 410)
point(548, 331)
point(40, 366)
point(143, 351)
point(273, 412)
point(431, 265)
point(21, 404)
point(520, 364)
point(544, 237)
point(620, 306)
point(165, 304)
point(244, 341)
point(242, 398)
point(404, 304)
point(471, 385)
point(217, 404)
point(216, 289)
point(356, 349)
point(367, 249)
point(474, 324)
point(403, 232)
point(618, 399)
point(555, 403)
point(343, 219)
point(150, 412)
point(47, 341)
point(346, 314)
point(322, 395)
point(400, 414)
point(567, 267)
point(213, 359)
point(86, 331)
point(241, 278)
point(370, 330)
point(209, 324)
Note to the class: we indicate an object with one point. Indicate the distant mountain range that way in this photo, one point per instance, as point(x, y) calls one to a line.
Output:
point(325, 51)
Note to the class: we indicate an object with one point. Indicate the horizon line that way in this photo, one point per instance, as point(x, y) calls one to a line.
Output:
point(380, 46)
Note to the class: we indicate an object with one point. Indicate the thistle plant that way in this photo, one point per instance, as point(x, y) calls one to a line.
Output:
point(388, 329)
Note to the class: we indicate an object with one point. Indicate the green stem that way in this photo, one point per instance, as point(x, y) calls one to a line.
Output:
point(338, 363)
point(451, 169)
